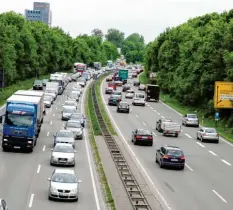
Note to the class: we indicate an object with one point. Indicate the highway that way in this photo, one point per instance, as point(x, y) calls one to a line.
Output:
point(205, 183)
point(23, 176)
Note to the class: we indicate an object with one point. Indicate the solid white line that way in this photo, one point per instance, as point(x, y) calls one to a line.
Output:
point(162, 116)
point(219, 196)
point(43, 148)
point(133, 154)
point(56, 107)
point(200, 144)
point(144, 123)
point(188, 135)
point(155, 111)
point(38, 169)
point(151, 107)
point(213, 153)
point(48, 132)
point(181, 130)
point(31, 201)
point(148, 105)
point(136, 115)
point(158, 113)
point(224, 161)
point(51, 122)
point(88, 149)
point(53, 114)
point(188, 167)
point(153, 133)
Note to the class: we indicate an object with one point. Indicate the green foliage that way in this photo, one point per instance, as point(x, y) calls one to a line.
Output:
point(115, 36)
point(97, 32)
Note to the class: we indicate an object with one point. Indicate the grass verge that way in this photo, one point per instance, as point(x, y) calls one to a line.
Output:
point(143, 78)
point(102, 108)
point(92, 121)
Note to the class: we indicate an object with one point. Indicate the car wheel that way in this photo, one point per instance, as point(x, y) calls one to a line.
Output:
point(156, 160)
point(135, 143)
point(202, 139)
point(133, 104)
point(160, 164)
point(197, 137)
point(50, 198)
point(76, 200)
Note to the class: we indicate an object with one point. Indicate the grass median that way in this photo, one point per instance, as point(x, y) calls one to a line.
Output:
point(207, 122)
point(91, 133)
point(102, 108)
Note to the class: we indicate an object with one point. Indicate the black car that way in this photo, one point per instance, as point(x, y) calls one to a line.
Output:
point(136, 83)
point(140, 136)
point(114, 100)
point(108, 90)
point(126, 87)
point(79, 117)
point(170, 156)
point(38, 85)
point(123, 107)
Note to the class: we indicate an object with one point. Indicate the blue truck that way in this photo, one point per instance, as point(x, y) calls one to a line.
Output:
point(22, 122)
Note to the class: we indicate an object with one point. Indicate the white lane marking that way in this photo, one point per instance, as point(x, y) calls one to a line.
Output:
point(224, 161)
point(56, 108)
point(155, 111)
point(162, 116)
point(38, 169)
point(151, 107)
point(31, 201)
point(148, 105)
point(158, 113)
point(181, 130)
point(188, 135)
point(48, 132)
point(88, 149)
point(53, 114)
point(213, 153)
point(43, 148)
point(136, 115)
point(219, 196)
point(200, 144)
point(188, 167)
point(227, 142)
point(153, 133)
point(144, 123)
point(132, 152)
point(51, 122)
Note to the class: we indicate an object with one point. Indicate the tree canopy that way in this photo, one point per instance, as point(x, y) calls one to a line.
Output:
point(27, 47)
point(115, 36)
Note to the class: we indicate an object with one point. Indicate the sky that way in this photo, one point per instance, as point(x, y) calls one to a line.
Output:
point(146, 17)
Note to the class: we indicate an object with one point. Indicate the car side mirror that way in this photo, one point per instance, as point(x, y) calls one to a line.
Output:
point(49, 179)
point(79, 181)
point(1, 119)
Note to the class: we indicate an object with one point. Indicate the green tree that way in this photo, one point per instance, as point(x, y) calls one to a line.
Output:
point(115, 36)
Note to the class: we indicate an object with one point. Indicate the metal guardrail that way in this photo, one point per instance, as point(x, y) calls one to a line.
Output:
point(135, 194)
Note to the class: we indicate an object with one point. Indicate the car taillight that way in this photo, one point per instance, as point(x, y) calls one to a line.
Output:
point(150, 137)
point(217, 135)
point(182, 158)
point(203, 134)
point(138, 137)
point(165, 157)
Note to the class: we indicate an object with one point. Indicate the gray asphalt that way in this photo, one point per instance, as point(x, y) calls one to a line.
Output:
point(205, 183)
point(23, 176)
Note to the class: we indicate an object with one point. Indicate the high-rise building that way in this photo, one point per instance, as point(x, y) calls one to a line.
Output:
point(41, 12)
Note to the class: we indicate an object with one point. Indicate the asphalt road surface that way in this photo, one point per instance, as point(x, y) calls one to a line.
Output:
point(205, 183)
point(23, 176)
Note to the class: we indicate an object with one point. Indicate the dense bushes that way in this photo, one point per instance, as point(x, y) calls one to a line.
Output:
point(27, 47)
point(189, 58)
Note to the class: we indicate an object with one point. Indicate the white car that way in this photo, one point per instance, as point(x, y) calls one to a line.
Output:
point(129, 94)
point(139, 99)
point(70, 103)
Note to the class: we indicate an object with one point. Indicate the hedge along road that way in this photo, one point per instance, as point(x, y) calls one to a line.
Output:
point(205, 182)
point(23, 176)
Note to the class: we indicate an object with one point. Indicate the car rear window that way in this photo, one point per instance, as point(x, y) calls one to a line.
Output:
point(192, 116)
point(210, 130)
point(143, 132)
point(176, 153)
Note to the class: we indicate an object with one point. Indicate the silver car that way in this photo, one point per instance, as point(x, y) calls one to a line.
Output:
point(76, 127)
point(208, 134)
point(64, 136)
point(73, 96)
point(78, 88)
point(190, 120)
point(139, 99)
point(67, 111)
point(70, 103)
point(129, 94)
point(64, 185)
point(53, 95)
point(48, 101)
point(63, 154)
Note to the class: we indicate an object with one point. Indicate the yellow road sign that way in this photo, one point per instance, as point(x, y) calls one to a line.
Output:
point(223, 95)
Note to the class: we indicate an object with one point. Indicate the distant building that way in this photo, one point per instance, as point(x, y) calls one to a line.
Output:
point(41, 12)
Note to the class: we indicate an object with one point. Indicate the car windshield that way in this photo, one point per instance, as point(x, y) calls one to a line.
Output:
point(73, 125)
point(65, 134)
point(139, 96)
point(192, 116)
point(124, 104)
point(72, 103)
point(47, 98)
point(176, 153)
point(38, 82)
point(117, 93)
point(210, 130)
point(77, 116)
point(64, 178)
point(68, 109)
point(19, 119)
point(45, 80)
point(143, 132)
point(130, 91)
point(64, 149)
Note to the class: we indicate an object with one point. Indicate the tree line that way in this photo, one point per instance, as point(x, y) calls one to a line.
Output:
point(188, 59)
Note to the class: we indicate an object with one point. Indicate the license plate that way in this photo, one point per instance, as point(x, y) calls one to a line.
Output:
point(16, 147)
point(175, 160)
point(144, 137)
point(62, 194)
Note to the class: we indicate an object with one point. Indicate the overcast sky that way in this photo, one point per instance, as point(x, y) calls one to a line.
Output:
point(147, 17)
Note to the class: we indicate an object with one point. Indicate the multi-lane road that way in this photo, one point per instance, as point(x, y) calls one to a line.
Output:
point(23, 176)
point(205, 183)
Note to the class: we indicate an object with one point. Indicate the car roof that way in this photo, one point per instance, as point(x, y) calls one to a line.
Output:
point(65, 131)
point(69, 107)
point(66, 171)
point(124, 102)
point(208, 128)
point(171, 147)
point(70, 101)
point(74, 121)
point(64, 145)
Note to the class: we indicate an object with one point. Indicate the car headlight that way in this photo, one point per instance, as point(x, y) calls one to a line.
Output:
point(74, 190)
point(52, 189)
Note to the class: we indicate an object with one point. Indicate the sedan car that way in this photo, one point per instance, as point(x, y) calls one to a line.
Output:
point(48, 101)
point(190, 120)
point(64, 136)
point(63, 154)
point(142, 87)
point(79, 117)
point(70, 103)
point(109, 90)
point(126, 87)
point(129, 94)
point(170, 156)
point(123, 107)
point(140, 136)
point(3, 205)
point(114, 100)
point(64, 185)
point(208, 134)
point(76, 127)
point(67, 111)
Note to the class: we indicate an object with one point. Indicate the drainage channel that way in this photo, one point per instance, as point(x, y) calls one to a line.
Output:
point(135, 194)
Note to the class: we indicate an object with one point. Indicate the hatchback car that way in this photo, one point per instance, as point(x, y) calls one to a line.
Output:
point(190, 120)
point(79, 117)
point(114, 100)
point(64, 185)
point(67, 111)
point(140, 136)
point(64, 136)
point(48, 101)
point(208, 134)
point(170, 156)
point(129, 94)
point(138, 101)
point(38, 85)
point(76, 127)
point(63, 154)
